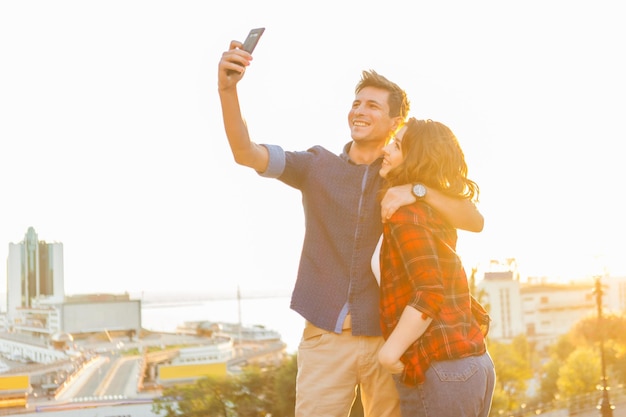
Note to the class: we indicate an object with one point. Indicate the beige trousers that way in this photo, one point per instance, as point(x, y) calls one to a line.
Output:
point(331, 365)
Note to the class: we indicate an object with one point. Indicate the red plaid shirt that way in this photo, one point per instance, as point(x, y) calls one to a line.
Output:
point(420, 268)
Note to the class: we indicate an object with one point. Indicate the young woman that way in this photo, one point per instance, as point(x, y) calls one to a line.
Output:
point(434, 329)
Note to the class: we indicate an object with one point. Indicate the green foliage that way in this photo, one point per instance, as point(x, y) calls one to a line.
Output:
point(256, 392)
point(252, 393)
point(620, 364)
point(590, 330)
point(558, 354)
point(608, 334)
point(563, 348)
point(574, 366)
point(512, 372)
point(511, 362)
point(580, 374)
point(548, 388)
point(208, 396)
point(501, 401)
point(285, 388)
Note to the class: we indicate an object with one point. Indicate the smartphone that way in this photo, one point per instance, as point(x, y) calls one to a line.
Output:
point(253, 38)
point(250, 43)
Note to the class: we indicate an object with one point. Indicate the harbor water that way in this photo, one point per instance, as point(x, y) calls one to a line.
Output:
point(272, 313)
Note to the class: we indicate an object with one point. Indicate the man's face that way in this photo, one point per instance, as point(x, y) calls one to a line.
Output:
point(369, 118)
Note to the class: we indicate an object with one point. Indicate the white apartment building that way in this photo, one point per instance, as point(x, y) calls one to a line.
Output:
point(502, 299)
point(543, 311)
point(550, 310)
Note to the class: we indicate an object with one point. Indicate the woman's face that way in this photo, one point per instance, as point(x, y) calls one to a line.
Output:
point(392, 153)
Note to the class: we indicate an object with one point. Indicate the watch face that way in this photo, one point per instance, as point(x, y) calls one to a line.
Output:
point(419, 191)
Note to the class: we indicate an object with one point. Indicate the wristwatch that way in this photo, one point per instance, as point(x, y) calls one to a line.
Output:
point(419, 191)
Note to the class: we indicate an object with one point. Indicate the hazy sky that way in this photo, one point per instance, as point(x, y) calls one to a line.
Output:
point(111, 138)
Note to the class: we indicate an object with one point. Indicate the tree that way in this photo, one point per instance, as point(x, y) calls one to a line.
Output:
point(620, 365)
point(580, 373)
point(208, 396)
point(611, 329)
point(512, 372)
point(253, 395)
point(563, 348)
point(285, 388)
point(256, 392)
point(558, 354)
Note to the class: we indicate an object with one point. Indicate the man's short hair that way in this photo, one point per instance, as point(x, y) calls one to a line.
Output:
point(398, 102)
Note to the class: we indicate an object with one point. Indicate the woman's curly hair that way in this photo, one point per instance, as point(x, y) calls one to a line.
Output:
point(432, 155)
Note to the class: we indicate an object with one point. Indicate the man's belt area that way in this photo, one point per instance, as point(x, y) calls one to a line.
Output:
point(310, 330)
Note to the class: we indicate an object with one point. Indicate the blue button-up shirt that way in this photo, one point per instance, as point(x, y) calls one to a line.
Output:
point(342, 219)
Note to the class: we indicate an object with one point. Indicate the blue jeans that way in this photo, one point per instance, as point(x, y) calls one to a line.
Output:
point(455, 388)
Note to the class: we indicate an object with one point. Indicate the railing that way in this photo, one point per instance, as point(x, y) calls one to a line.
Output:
point(580, 406)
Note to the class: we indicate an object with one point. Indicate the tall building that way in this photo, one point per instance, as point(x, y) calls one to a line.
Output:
point(502, 293)
point(36, 300)
point(34, 271)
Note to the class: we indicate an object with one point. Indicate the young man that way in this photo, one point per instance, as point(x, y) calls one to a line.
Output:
point(335, 290)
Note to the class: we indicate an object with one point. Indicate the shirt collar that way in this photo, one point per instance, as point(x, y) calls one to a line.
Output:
point(345, 155)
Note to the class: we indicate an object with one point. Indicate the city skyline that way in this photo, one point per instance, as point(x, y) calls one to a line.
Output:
point(112, 141)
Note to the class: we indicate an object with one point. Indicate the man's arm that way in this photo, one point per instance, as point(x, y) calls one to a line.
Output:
point(461, 213)
point(231, 69)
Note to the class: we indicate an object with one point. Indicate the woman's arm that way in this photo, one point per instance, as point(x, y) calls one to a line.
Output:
point(411, 327)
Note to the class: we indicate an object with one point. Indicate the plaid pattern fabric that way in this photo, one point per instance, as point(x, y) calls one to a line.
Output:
point(420, 268)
